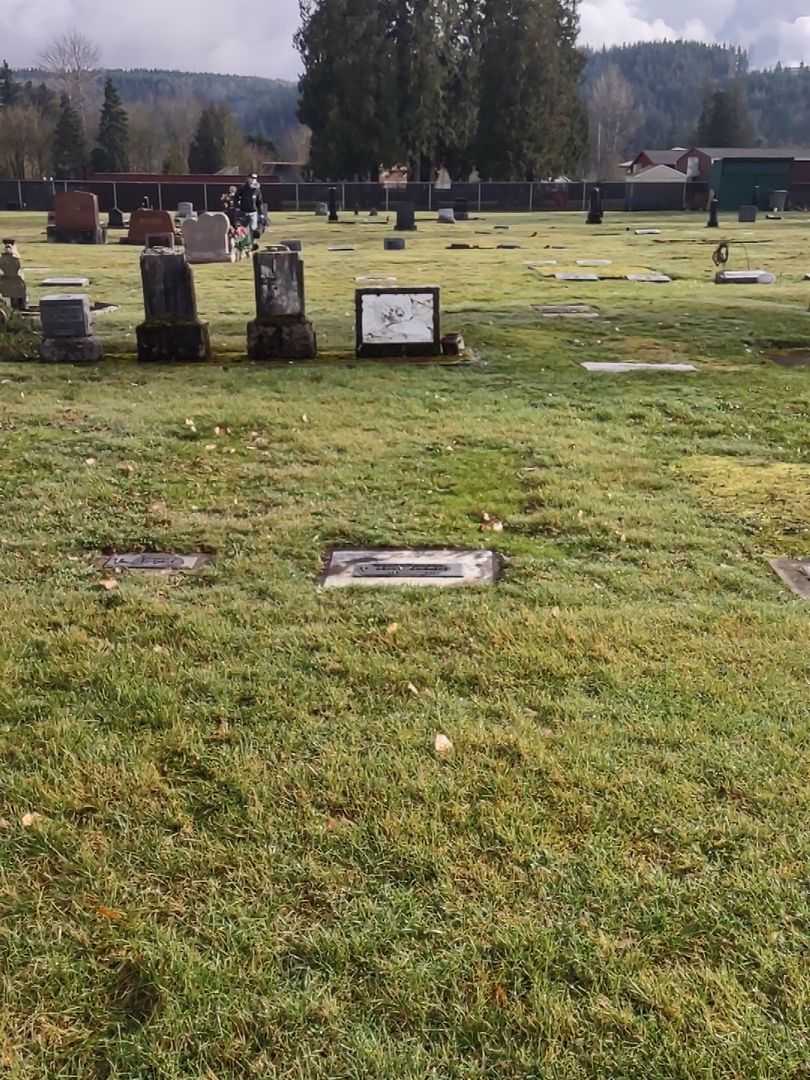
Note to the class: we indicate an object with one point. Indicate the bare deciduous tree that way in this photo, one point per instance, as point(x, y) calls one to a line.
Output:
point(74, 60)
point(613, 118)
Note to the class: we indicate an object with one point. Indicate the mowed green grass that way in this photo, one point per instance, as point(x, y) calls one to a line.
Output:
point(228, 848)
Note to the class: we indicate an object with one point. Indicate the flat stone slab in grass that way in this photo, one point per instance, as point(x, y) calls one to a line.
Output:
point(439, 567)
point(594, 262)
point(652, 279)
point(568, 311)
point(744, 277)
point(791, 358)
point(511, 246)
point(340, 247)
point(549, 262)
point(618, 368)
point(647, 232)
point(795, 573)
point(372, 280)
point(577, 277)
point(65, 282)
point(156, 562)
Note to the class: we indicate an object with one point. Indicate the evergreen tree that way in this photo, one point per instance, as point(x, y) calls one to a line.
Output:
point(207, 152)
point(10, 91)
point(69, 154)
point(112, 150)
point(725, 120)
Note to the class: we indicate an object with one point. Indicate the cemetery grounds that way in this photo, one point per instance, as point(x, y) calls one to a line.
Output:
point(228, 846)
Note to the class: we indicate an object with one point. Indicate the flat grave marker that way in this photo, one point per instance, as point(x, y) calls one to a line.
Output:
point(650, 279)
point(155, 562)
point(594, 262)
point(567, 311)
point(386, 567)
point(65, 283)
point(744, 277)
point(577, 277)
point(611, 367)
point(795, 573)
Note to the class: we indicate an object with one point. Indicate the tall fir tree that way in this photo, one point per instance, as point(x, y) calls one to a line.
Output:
point(725, 120)
point(111, 153)
point(10, 91)
point(69, 151)
point(207, 151)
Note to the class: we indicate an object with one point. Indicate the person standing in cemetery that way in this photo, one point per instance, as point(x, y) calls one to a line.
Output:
point(250, 203)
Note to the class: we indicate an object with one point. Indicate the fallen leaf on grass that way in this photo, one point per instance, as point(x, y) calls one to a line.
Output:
point(499, 994)
point(442, 745)
point(211, 446)
point(126, 467)
point(5, 823)
point(391, 629)
point(109, 584)
point(490, 523)
point(109, 913)
point(90, 461)
point(412, 688)
point(555, 612)
point(30, 819)
point(305, 418)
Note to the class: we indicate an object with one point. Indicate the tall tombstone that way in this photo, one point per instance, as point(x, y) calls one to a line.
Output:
point(595, 211)
point(714, 208)
point(406, 218)
point(171, 331)
point(12, 278)
point(76, 219)
point(333, 214)
point(280, 330)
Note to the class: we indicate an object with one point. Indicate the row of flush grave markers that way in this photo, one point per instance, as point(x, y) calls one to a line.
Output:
point(441, 567)
point(390, 321)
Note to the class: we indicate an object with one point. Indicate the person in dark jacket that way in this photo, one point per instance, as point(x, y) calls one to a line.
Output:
point(249, 201)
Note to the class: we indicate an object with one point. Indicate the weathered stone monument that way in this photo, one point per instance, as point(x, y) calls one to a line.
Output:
point(185, 211)
point(406, 217)
point(714, 209)
point(144, 223)
point(12, 278)
point(171, 331)
point(207, 239)
point(76, 219)
point(280, 330)
point(394, 322)
point(595, 211)
point(446, 215)
point(67, 330)
point(747, 214)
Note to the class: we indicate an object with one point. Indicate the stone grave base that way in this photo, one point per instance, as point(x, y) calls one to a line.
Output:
point(173, 342)
point(795, 573)
point(292, 339)
point(442, 567)
point(71, 350)
point(76, 236)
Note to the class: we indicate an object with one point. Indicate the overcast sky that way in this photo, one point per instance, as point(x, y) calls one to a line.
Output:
point(255, 39)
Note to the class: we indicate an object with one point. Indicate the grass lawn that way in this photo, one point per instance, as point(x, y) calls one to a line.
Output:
point(227, 846)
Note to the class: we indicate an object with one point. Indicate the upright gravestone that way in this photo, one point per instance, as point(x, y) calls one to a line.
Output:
point(280, 330)
point(171, 331)
point(12, 278)
point(595, 211)
point(747, 214)
point(460, 210)
point(185, 210)
point(207, 239)
point(333, 214)
point(76, 219)
point(115, 219)
point(393, 322)
point(714, 208)
point(67, 330)
point(406, 218)
point(145, 222)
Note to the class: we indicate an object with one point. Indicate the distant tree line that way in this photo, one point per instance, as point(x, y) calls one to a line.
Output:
point(490, 84)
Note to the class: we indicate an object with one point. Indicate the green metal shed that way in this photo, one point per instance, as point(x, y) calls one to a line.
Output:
point(734, 179)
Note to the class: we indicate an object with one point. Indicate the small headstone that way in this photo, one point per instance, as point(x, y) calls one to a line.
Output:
point(406, 218)
point(795, 573)
point(747, 214)
point(502, 228)
point(618, 368)
point(185, 211)
point(462, 247)
point(452, 344)
point(576, 277)
point(595, 212)
point(744, 277)
point(280, 330)
point(76, 219)
point(446, 215)
point(714, 210)
point(145, 222)
point(155, 562)
point(652, 279)
point(393, 243)
point(67, 329)
point(460, 210)
point(66, 282)
point(207, 239)
point(12, 277)
point(321, 209)
point(393, 322)
point(333, 214)
point(442, 568)
point(171, 332)
point(115, 219)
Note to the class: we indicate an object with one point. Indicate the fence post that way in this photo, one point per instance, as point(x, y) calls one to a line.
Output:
point(531, 196)
point(205, 197)
point(386, 198)
point(430, 196)
point(115, 194)
point(479, 198)
point(19, 193)
point(160, 196)
point(297, 197)
point(343, 197)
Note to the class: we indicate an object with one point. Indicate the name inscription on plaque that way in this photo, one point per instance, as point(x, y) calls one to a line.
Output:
point(395, 570)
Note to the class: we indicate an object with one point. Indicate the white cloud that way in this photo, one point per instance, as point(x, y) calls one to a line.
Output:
point(614, 22)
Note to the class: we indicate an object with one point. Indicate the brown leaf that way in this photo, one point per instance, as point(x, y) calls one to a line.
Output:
point(499, 994)
point(126, 467)
point(30, 819)
point(442, 745)
point(109, 913)
point(391, 629)
point(109, 584)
